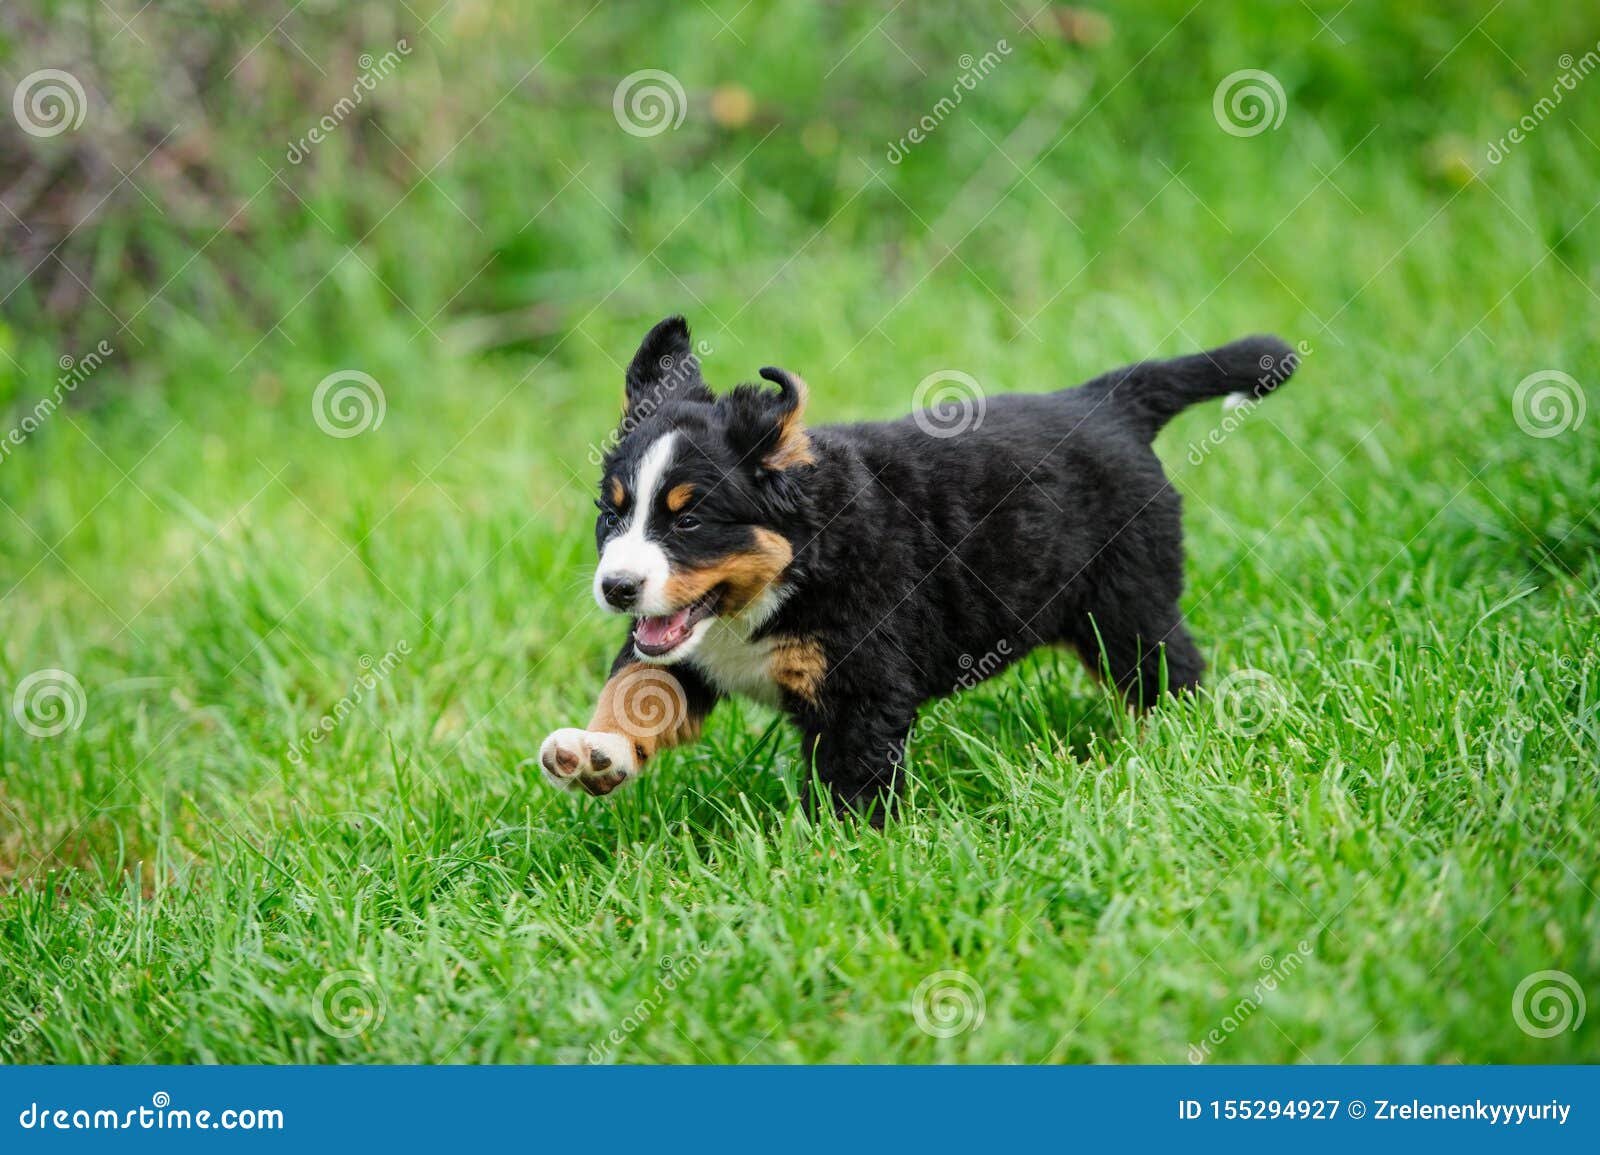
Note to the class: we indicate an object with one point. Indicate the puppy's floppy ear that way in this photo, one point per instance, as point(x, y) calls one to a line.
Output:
point(764, 427)
point(664, 369)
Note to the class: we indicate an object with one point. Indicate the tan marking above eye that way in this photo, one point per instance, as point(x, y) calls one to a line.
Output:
point(619, 495)
point(747, 574)
point(679, 496)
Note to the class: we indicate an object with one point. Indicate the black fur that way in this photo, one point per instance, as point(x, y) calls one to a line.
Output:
point(923, 563)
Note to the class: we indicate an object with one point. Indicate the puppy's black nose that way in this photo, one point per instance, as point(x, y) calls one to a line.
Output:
point(620, 591)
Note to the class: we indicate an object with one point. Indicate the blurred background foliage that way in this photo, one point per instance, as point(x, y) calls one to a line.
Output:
point(482, 197)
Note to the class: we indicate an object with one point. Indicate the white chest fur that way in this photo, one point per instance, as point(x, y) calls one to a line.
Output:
point(735, 664)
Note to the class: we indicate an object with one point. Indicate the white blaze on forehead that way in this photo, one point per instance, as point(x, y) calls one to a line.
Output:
point(631, 553)
point(652, 470)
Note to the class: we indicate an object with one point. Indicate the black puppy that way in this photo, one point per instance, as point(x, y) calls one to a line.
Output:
point(850, 573)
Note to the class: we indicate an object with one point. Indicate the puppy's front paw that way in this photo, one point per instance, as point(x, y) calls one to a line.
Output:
point(592, 760)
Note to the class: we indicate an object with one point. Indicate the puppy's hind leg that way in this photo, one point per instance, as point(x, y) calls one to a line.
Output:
point(1141, 654)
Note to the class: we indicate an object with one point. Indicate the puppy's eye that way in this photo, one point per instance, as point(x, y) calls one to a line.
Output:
point(608, 517)
point(686, 522)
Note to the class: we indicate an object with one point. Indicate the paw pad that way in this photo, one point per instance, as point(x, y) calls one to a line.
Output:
point(595, 761)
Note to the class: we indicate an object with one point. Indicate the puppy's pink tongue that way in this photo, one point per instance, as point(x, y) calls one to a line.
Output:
point(662, 631)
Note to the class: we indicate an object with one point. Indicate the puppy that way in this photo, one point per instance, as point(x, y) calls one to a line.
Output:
point(847, 574)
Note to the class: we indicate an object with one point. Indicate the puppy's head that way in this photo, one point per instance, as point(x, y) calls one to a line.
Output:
point(700, 499)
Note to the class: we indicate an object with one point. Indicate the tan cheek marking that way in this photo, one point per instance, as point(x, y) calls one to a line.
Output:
point(798, 665)
point(647, 706)
point(679, 496)
point(747, 575)
point(618, 494)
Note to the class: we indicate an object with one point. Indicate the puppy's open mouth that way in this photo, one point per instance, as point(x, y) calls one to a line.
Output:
point(660, 635)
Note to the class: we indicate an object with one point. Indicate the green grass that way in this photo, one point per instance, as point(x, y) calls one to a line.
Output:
point(1412, 794)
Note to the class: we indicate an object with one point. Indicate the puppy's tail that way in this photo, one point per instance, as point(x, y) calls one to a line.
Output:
point(1152, 393)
